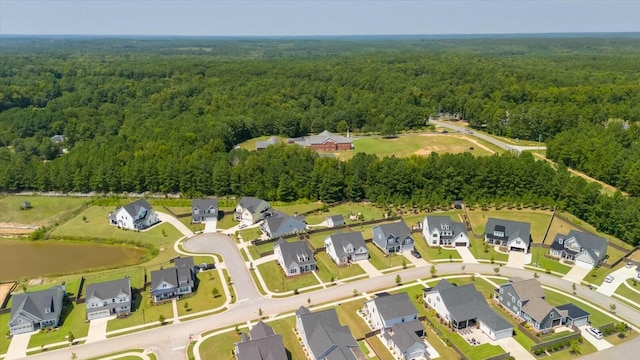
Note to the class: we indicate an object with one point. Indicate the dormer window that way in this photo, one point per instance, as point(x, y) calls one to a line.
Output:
point(47, 310)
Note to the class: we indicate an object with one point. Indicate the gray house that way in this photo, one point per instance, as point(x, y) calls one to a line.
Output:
point(251, 209)
point(573, 315)
point(584, 249)
point(261, 145)
point(108, 298)
point(334, 220)
point(393, 237)
point(525, 298)
point(405, 339)
point(463, 307)
point(346, 248)
point(515, 235)
point(441, 230)
point(173, 282)
point(385, 310)
point(295, 258)
point(36, 310)
point(203, 210)
point(264, 344)
point(324, 337)
point(281, 224)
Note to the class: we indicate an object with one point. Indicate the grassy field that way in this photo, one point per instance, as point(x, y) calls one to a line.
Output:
point(433, 253)
point(4, 329)
point(226, 222)
point(291, 209)
point(44, 209)
point(219, 346)
point(275, 279)
point(97, 226)
point(203, 299)
point(478, 250)
point(369, 212)
point(558, 226)
point(629, 294)
point(73, 317)
point(537, 256)
point(327, 268)
point(539, 220)
point(380, 261)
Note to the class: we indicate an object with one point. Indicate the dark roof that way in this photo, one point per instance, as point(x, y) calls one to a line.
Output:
point(405, 334)
point(466, 303)
point(135, 207)
point(261, 330)
point(169, 275)
point(264, 344)
point(204, 204)
point(297, 251)
point(341, 240)
point(586, 240)
point(278, 219)
point(109, 289)
point(35, 303)
point(336, 218)
point(183, 262)
point(573, 311)
point(399, 229)
point(527, 289)
point(251, 203)
point(443, 222)
point(394, 306)
point(326, 336)
point(511, 229)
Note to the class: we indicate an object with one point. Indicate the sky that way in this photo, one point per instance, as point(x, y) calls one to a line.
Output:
point(314, 17)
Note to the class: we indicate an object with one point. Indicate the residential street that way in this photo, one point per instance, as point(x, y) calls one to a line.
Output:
point(168, 342)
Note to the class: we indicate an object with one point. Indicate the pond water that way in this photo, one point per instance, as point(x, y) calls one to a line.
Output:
point(39, 258)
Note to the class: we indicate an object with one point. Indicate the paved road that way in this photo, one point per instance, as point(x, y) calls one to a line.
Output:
point(487, 138)
point(168, 341)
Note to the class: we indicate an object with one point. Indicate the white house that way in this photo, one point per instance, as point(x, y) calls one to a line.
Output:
point(251, 209)
point(108, 298)
point(295, 258)
point(514, 235)
point(384, 311)
point(346, 248)
point(137, 215)
point(441, 230)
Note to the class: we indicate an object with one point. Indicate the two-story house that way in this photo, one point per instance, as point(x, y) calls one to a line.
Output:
point(584, 249)
point(346, 248)
point(406, 341)
point(204, 210)
point(526, 299)
point(394, 237)
point(36, 310)
point(463, 307)
point(514, 235)
point(173, 282)
point(442, 231)
point(324, 338)
point(137, 215)
point(263, 344)
point(251, 210)
point(280, 224)
point(295, 258)
point(108, 298)
point(386, 310)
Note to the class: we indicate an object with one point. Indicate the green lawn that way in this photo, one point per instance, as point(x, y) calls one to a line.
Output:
point(368, 210)
point(144, 312)
point(203, 299)
point(44, 209)
point(73, 320)
point(136, 276)
point(327, 268)
point(291, 209)
point(97, 226)
point(250, 234)
point(614, 339)
point(629, 294)
point(347, 314)
point(317, 240)
point(537, 256)
point(251, 143)
point(285, 328)
point(559, 226)
point(539, 220)
point(275, 279)
point(433, 253)
point(378, 259)
point(4, 329)
point(220, 346)
point(598, 275)
point(585, 349)
point(478, 250)
point(596, 317)
point(380, 349)
point(226, 222)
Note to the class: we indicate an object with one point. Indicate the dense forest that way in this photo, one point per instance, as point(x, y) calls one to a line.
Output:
point(164, 116)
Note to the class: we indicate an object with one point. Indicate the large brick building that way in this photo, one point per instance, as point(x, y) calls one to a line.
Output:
point(325, 141)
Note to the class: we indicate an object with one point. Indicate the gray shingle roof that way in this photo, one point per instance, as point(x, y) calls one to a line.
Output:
point(296, 252)
point(204, 204)
point(186, 261)
point(134, 208)
point(394, 306)
point(528, 289)
point(169, 275)
point(324, 332)
point(264, 144)
point(261, 330)
point(399, 229)
point(573, 311)
point(109, 289)
point(404, 334)
point(252, 203)
point(276, 221)
point(337, 219)
point(341, 240)
point(320, 138)
point(537, 308)
point(264, 344)
point(512, 229)
point(35, 303)
point(590, 242)
point(440, 223)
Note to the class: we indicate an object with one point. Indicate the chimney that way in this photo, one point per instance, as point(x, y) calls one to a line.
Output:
point(64, 286)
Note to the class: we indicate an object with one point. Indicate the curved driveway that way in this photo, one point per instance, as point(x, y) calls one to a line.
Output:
point(168, 341)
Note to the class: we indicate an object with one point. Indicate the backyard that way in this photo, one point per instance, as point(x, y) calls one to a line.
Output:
point(369, 211)
point(44, 209)
point(539, 220)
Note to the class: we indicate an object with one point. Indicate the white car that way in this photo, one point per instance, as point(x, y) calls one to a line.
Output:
point(595, 332)
point(608, 279)
point(242, 226)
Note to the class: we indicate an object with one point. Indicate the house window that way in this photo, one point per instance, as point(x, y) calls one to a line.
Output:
point(551, 315)
point(513, 298)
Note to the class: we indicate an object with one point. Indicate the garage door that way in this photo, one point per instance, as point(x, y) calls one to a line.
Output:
point(461, 244)
point(583, 264)
point(98, 314)
point(580, 322)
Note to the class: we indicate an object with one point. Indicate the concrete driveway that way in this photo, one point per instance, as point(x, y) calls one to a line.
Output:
point(18, 346)
point(619, 276)
point(210, 226)
point(512, 346)
point(518, 259)
point(98, 329)
point(414, 260)
point(598, 344)
point(576, 274)
point(466, 255)
point(225, 246)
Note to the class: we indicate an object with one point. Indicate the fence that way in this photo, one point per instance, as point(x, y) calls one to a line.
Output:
point(546, 233)
point(525, 331)
point(500, 357)
point(565, 339)
point(79, 292)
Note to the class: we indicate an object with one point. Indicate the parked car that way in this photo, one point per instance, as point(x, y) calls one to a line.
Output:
point(609, 278)
point(242, 226)
point(416, 253)
point(595, 332)
point(205, 266)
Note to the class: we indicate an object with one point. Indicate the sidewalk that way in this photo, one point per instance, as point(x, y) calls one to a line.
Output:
point(176, 223)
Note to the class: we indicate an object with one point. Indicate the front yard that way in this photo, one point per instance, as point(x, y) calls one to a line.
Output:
point(144, 312)
point(204, 299)
point(328, 269)
point(380, 261)
point(545, 263)
point(73, 317)
point(276, 281)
